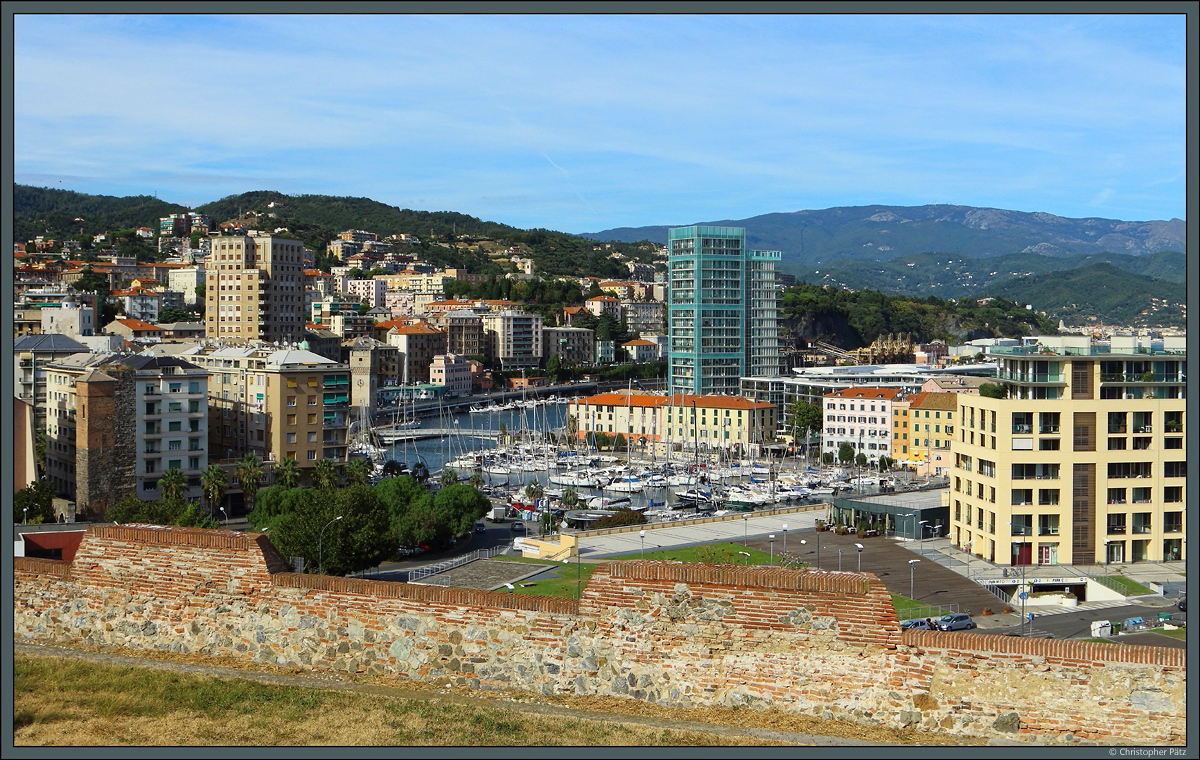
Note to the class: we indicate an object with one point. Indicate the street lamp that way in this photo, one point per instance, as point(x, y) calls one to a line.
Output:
point(642, 539)
point(784, 538)
point(321, 544)
point(860, 548)
point(921, 525)
point(912, 565)
point(226, 515)
point(24, 515)
point(746, 555)
point(839, 560)
point(746, 528)
point(771, 541)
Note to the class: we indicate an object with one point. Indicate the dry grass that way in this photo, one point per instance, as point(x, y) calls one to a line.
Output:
point(67, 702)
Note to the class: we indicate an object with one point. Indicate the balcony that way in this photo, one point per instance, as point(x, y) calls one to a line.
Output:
point(1117, 429)
point(1143, 428)
point(1023, 429)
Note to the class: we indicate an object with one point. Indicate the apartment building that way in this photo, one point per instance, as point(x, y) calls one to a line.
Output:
point(185, 280)
point(464, 332)
point(861, 417)
point(572, 345)
point(599, 305)
point(679, 422)
point(1084, 461)
point(117, 422)
point(452, 371)
point(418, 344)
point(644, 317)
point(276, 403)
point(721, 311)
point(514, 339)
point(32, 353)
point(371, 291)
point(923, 429)
point(254, 289)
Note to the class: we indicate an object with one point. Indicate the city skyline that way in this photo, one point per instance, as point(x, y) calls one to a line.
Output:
point(582, 123)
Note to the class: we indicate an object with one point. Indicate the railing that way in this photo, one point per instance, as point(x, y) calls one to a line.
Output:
point(932, 611)
point(441, 567)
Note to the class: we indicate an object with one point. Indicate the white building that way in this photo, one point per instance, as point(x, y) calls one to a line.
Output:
point(861, 417)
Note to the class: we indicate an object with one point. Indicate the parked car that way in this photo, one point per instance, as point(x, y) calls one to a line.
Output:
point(480, 528)
point(1182, 604)
point(919, 625)
point(956, 622)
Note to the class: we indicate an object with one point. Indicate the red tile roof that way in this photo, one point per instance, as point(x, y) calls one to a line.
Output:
point(867, 393)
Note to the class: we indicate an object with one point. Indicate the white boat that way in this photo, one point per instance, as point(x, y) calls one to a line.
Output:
point(625, 484)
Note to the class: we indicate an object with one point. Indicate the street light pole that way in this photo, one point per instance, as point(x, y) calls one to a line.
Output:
point(771, 541)
point(321, 545)
point(226, 516)
point(784, 538)
point(860, 548)
point(642, 539)
point(921, 525)
point(746, 528)
point(839, 560)
point(912, 565)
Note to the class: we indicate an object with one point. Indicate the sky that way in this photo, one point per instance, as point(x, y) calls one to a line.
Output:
point(588, 122)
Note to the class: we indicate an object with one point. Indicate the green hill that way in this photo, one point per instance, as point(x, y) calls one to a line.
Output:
point(64, 214)
point(1099, 291)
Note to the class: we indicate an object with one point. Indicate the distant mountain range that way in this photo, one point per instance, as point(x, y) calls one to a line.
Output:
point(810, 238)
point(1070, 268)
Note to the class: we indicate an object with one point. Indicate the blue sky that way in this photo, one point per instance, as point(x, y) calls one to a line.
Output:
point(584, 123)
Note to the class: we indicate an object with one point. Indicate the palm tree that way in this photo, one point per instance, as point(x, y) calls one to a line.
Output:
point(287, 473)
point(569, 498)
point(325, 473)
point(172, 486)
point(476, 480)
point(420, 471)
point(533, 490)
point(448, 477)
point(392, 468)
point(358, 471)
point(572, 430)
point(249, 472)
point(214, 481)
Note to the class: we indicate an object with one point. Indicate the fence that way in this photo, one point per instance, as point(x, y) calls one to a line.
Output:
point(933, 612)
point(441, 567)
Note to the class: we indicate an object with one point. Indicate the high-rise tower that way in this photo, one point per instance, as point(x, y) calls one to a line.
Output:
point(722, 312)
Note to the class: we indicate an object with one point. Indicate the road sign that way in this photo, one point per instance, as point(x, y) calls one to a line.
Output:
point(1023, 595)
point(1030, 617)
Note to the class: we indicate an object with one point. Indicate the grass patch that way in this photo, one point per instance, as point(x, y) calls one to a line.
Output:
point(528, 560)
point(569, 580)
point(719, 554)
point(1101, 641)
point(69, 702)
point(1123, 585)
point(1178, 633)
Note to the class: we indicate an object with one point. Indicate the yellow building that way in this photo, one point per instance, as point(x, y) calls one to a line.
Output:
point(683, 421)
point(922, 431)
point(1082, 463)
point(254, 289)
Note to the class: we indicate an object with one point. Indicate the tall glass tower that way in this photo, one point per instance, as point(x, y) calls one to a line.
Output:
point(721, 309)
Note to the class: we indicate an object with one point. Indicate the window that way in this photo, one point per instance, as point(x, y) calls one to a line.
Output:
point(1047, 525)
point(1022, 496)
point(193, 426)
point(1022, 525)
point(987, 468)
point(1047, 497)
point(312, 437)
point(151, 465)
point(291, 382)
point(291, 419)
point(291, 400)
point(312, 454)
point(175, 426)
point(194, 406)
point(290, 438)
point(1173, 422)
point(1035, 471)
point(175, 464)
point(193, 387)
point(1116, 422)
point(174, 445)
point(175, 407)
point(1172, 470)
point(194, 444)
point(1048, 444)
point(1116, 495)
point(193, 463)
point(1172, 443)
point(1141, 522)
point(151, 407)
point(1116, 444)
point(1172, 522)
point(1141, 443)
point(1173, 494)
point(312, 420)
point(1116, 524)
point(1048, 423)
point(1130, 469)
point(151, 427)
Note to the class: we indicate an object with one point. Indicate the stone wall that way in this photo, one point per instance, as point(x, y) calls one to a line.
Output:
point(817, 642)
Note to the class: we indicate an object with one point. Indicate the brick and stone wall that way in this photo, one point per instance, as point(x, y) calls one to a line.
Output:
point(817, 642)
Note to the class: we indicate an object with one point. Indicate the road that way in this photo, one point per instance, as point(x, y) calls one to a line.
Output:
point(1077, 624)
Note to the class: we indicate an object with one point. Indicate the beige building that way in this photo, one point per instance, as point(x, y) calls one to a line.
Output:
point(682, 422)
point(254, 289)
point(923, 429)
point(452, 371)
point(514, 339)
point(464, 332)
point(1083, 463)
point(418, 344)
point(276, 403)
point(572, 345)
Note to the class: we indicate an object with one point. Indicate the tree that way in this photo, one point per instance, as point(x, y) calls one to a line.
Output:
point(39, 452)
point(420, 471)
point(845, 453)
point(572, 429)
point(620, 444)
point(172, 485)
point(533, 490)
point(805, 418)
point(476, 480)
point(325, 474)
point(885, 463)
point(287, 473)
point(34, 503)
point(249, 472)
point(621, 517)
point(570, 498)
point(360, 539)
point(827, 458)
point(131, 509)
point(358, 471)
point(860, 459)
point(169, 314)
point(448, 477)
point(392, 468)
point(993, 390)
point(273, 502)
point(214, 482)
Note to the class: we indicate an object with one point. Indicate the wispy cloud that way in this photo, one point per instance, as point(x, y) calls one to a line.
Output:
point(657, 117)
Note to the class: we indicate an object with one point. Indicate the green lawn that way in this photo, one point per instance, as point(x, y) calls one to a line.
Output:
point(1123, 585)
point(1179, 633)
point(573, 576)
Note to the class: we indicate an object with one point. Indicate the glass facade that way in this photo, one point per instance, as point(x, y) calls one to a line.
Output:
point(721, 310)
